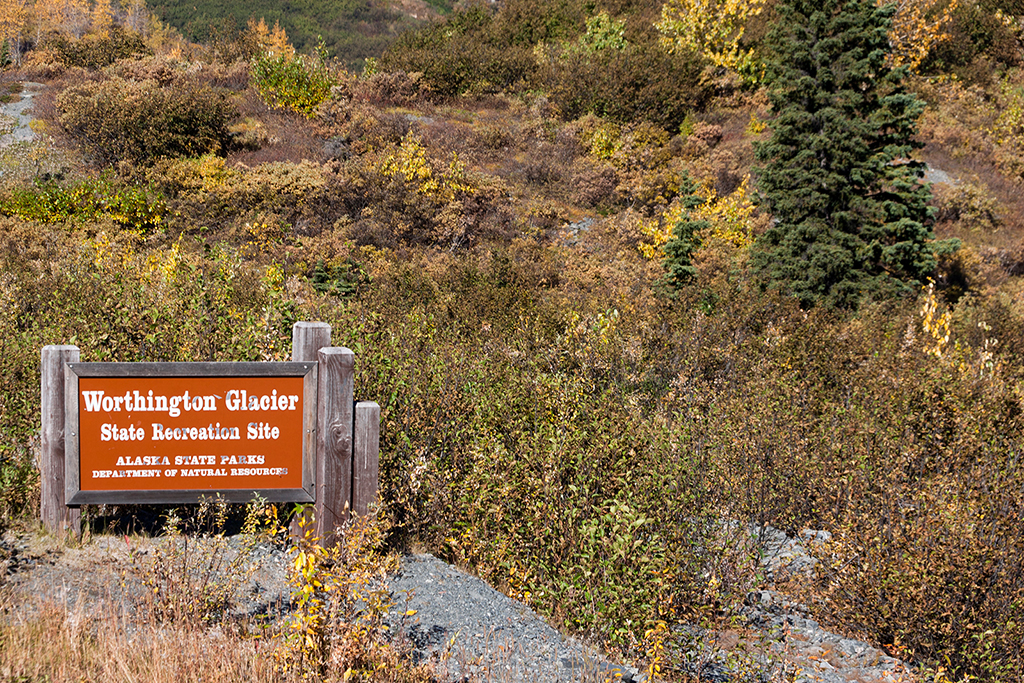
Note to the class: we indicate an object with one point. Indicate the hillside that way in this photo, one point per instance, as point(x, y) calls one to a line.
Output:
point(543, 231)
point(352, 30)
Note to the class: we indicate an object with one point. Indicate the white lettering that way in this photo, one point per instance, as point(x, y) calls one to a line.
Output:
point(92, 400)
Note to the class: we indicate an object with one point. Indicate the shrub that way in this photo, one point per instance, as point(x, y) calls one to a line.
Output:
point(132, 207)
point(638, 82)
point(120, 120)
point(977, 30)
point(96, 51)
point(297, 83)
point(461, 55)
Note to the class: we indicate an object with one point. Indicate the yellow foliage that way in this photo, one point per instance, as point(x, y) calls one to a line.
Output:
point(935, 324)
point(969, 362)
point(196, 177)
point(658, 231)
point(729, 218)
point(12, 19)
point(72, 17)
point(102, 17)
point(713, 28)
point(273, 42)
point(916, 27)
point(410, 164)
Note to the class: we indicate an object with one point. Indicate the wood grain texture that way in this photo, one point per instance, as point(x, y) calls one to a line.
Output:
point(72, 436)
point(307, 340)
point(334, 440)
point(366, 460)
point(55, 515)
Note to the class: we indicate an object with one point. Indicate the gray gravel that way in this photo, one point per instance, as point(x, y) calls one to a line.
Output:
point(19, 113)
point(484, 634)
point(475, 633)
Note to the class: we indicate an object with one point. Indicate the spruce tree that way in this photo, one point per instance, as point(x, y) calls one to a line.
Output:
point(685, 240)
point(850, 212)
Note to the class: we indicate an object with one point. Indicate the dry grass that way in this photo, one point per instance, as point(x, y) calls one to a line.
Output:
point(47, 641)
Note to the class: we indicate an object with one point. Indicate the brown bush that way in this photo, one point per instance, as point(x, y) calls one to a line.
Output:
point(391, 89)
point(95, 51)
point(639, 82)
point(970, 205)
point(594, 183)
point(140, 121)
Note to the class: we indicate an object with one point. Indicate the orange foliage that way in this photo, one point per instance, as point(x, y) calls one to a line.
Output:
point(916, 27)
point(274, 42)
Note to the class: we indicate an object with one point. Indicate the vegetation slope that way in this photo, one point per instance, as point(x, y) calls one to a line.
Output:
point(482, 216)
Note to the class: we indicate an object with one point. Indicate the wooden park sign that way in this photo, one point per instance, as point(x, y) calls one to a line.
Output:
point(174, 432)
point(178, 432)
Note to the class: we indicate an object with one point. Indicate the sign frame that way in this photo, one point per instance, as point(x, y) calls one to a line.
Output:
point(75, 496)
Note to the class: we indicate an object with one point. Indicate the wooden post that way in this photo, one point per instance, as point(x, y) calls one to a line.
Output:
point(307, 340)
point(56, 516)
point(366, 461)
point(334, 441)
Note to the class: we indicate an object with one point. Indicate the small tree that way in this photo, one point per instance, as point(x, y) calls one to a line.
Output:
point(685, 241)
point(851, 218)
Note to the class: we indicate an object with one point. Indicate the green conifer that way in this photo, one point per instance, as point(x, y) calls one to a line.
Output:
point(685, 240)
point(850, 211)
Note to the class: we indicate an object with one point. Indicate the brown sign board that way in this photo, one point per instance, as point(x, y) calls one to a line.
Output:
point(178, 432)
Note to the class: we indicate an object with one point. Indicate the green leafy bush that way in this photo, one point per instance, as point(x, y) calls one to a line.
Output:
point(129, 206)
point(140, 121)
point(299, 83)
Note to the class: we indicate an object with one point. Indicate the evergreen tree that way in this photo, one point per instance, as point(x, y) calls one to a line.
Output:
point(850, 211)
point(685, 240)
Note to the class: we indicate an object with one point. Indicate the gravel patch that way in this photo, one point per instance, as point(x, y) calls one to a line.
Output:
point(475, 633)
point(486, 635)
point(20, 114)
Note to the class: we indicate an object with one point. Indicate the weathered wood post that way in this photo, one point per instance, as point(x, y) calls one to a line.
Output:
point(366, 459)
point(334, 440)
point(55, 515)
point(307, 340)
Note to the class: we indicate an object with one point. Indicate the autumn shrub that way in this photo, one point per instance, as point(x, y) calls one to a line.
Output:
point(358, 127)
point(461, 54)
point(299, 83)
point(640, 81)
point(971, 206)
point(131, 207)
point(118, 119)
point(408, 194)
point(978, 32)
point(605, 438)
point(918, 517)
point(645, 160)
point(164, 70)
point(95, 51)
point(745, 411)
point(396, 88)
point(529, 22)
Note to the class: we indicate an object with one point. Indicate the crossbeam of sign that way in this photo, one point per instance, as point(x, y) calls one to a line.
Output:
point(170, 432)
